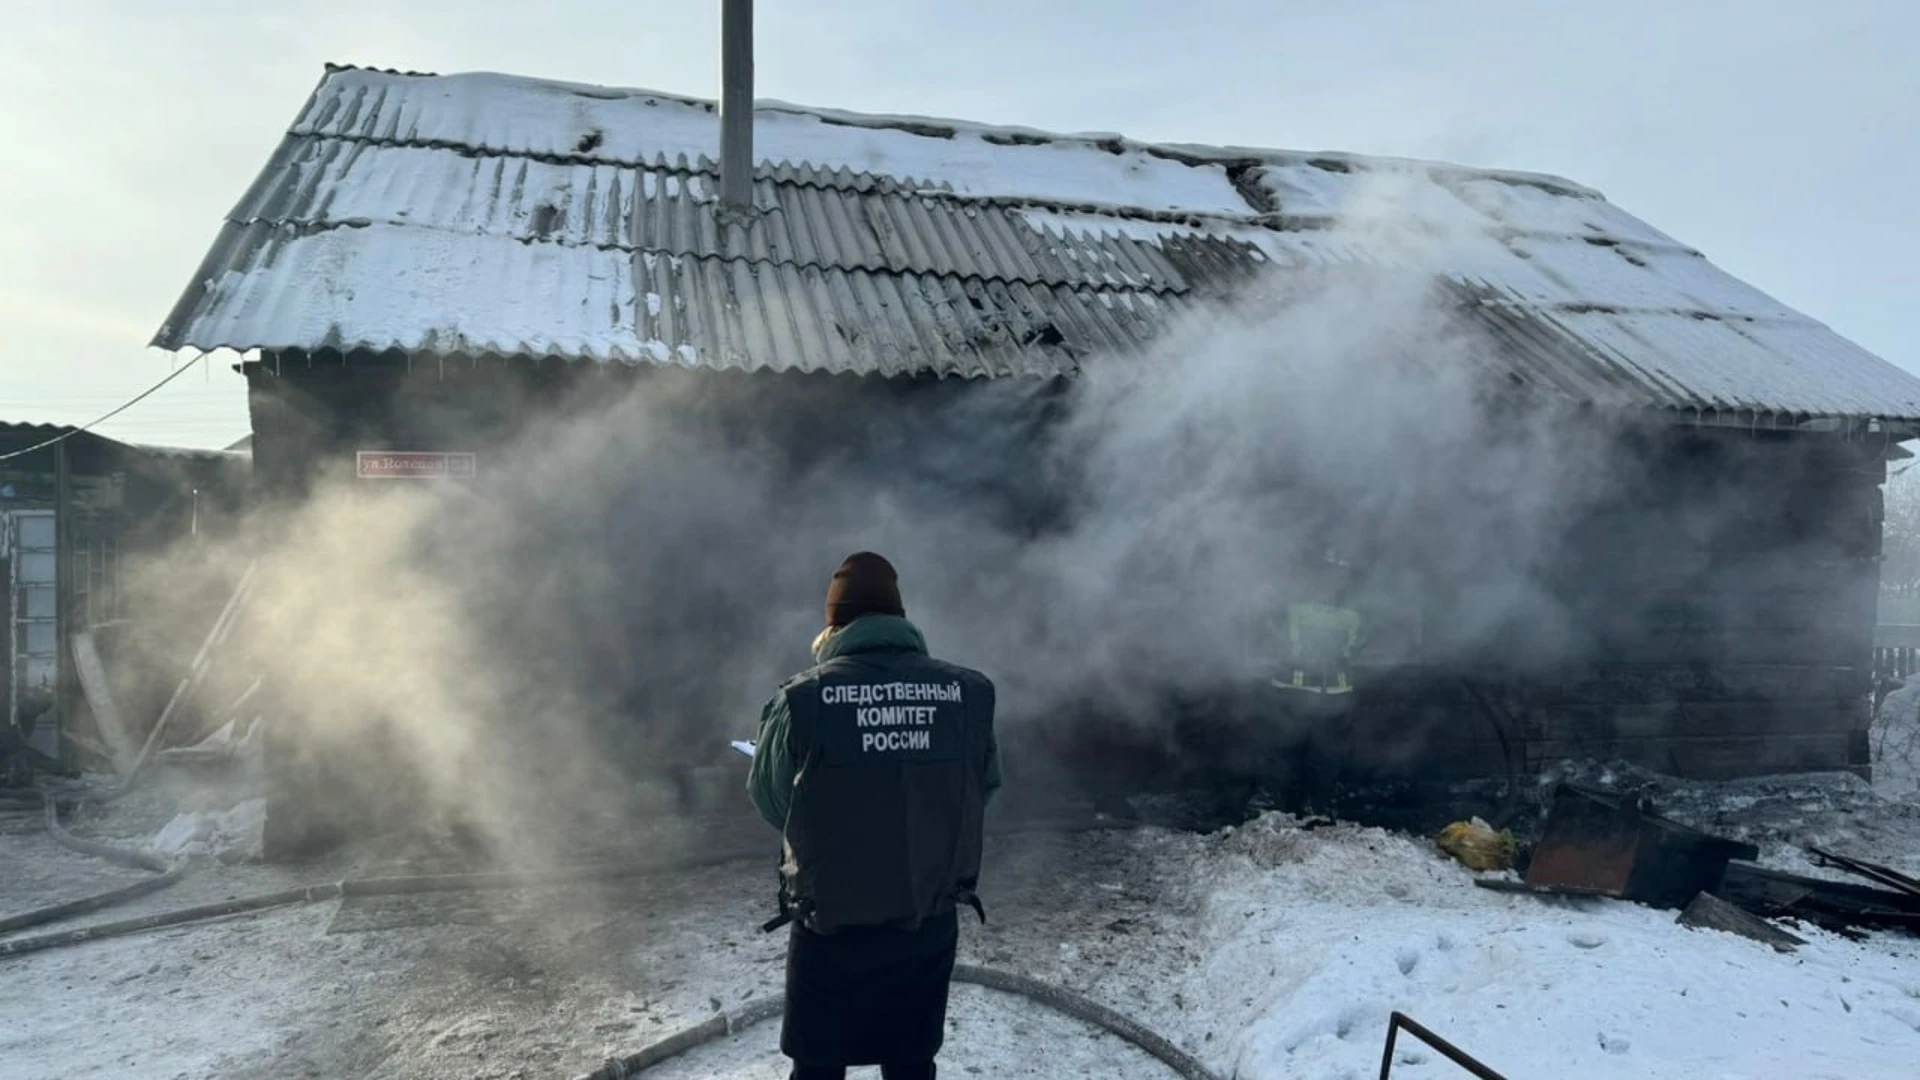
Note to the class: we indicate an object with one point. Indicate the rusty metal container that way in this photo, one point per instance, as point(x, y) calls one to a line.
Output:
point(1615, 846)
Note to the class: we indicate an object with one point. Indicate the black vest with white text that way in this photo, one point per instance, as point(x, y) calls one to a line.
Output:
point(890, 793)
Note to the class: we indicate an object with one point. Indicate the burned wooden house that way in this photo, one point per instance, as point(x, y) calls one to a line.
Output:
point(78, 509)
point(426, 261)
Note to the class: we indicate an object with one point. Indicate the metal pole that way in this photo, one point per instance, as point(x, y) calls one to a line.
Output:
point(1386, 1056)
point(63, 598)
point(1447, 1050)
point(736, 105)
point(12, 525)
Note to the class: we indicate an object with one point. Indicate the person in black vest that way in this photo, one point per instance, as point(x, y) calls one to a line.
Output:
point(876, 765)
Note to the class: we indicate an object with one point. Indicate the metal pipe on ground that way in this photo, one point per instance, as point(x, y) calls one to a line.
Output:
point(1447, 1050)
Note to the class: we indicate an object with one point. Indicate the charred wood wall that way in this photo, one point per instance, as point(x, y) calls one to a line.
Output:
point(1721, 600)
point(311, 413)
point(1723, 608)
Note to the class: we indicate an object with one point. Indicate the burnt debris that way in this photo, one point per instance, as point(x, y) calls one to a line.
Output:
point(1597, 844)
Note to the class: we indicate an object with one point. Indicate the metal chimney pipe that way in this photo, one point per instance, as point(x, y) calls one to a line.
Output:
point(736, 106)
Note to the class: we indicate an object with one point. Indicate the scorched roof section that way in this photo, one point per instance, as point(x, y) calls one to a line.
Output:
point(482, 213)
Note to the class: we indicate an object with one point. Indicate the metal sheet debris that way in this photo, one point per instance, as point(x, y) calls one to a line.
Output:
point(1573, 892)
point(1835, 905)
point(1709, 912)
point(1874, 872)
point(1616, 846)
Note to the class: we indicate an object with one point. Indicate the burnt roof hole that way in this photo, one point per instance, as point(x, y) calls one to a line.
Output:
point(1601, 241)
point(590, 141)
point(1247, 177)
point(847, 333)
point(1112, 146)
point(1333, 165)
point(1015, 138)
point(1046, 336)
point(546, 217)
point(978, 304)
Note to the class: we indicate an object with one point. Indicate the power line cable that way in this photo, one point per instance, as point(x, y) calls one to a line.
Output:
point(91, 424)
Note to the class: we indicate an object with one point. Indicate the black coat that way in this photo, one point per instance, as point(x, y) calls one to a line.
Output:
point(868, 996)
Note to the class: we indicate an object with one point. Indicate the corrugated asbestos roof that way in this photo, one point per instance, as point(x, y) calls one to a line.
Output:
point(490, 214)
point(32, 434)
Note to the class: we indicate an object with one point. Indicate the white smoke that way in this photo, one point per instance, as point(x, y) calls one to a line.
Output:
point(637, 572)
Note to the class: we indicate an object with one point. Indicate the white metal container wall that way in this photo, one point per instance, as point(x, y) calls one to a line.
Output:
point(33, 593)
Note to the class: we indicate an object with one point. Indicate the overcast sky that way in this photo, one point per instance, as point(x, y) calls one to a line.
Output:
point(1781, 138)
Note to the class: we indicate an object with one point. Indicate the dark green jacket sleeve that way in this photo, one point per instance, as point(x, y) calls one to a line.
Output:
point(770, 779)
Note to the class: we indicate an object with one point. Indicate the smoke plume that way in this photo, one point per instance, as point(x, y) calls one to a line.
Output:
point(639, 568)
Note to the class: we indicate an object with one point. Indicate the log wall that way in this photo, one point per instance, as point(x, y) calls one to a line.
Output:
point(1718, 607)
point(1722, 609)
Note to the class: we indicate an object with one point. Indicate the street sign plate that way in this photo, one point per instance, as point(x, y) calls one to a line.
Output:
point(414, 465)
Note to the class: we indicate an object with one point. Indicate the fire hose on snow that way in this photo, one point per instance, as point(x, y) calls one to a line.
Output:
point(385, 886)
point(1060, 999)
point(371, 886)
point(167, 873)
point(1055, 997)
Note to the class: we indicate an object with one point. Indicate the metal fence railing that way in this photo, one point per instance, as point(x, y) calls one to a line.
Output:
point(1401, 1021)
point(1896, 651)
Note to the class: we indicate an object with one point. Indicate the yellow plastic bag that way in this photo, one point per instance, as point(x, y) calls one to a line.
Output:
point(1477, 846)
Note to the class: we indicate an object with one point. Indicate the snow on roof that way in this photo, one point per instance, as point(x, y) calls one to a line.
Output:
point(488, 213)
point(30, 433)
point(193, 453)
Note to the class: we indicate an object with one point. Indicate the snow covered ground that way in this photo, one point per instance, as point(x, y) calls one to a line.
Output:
point(1310, 940)
point(1270, 951)
point(1896, 743)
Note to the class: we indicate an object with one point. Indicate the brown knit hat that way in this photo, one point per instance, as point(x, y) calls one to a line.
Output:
point(865, 584)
